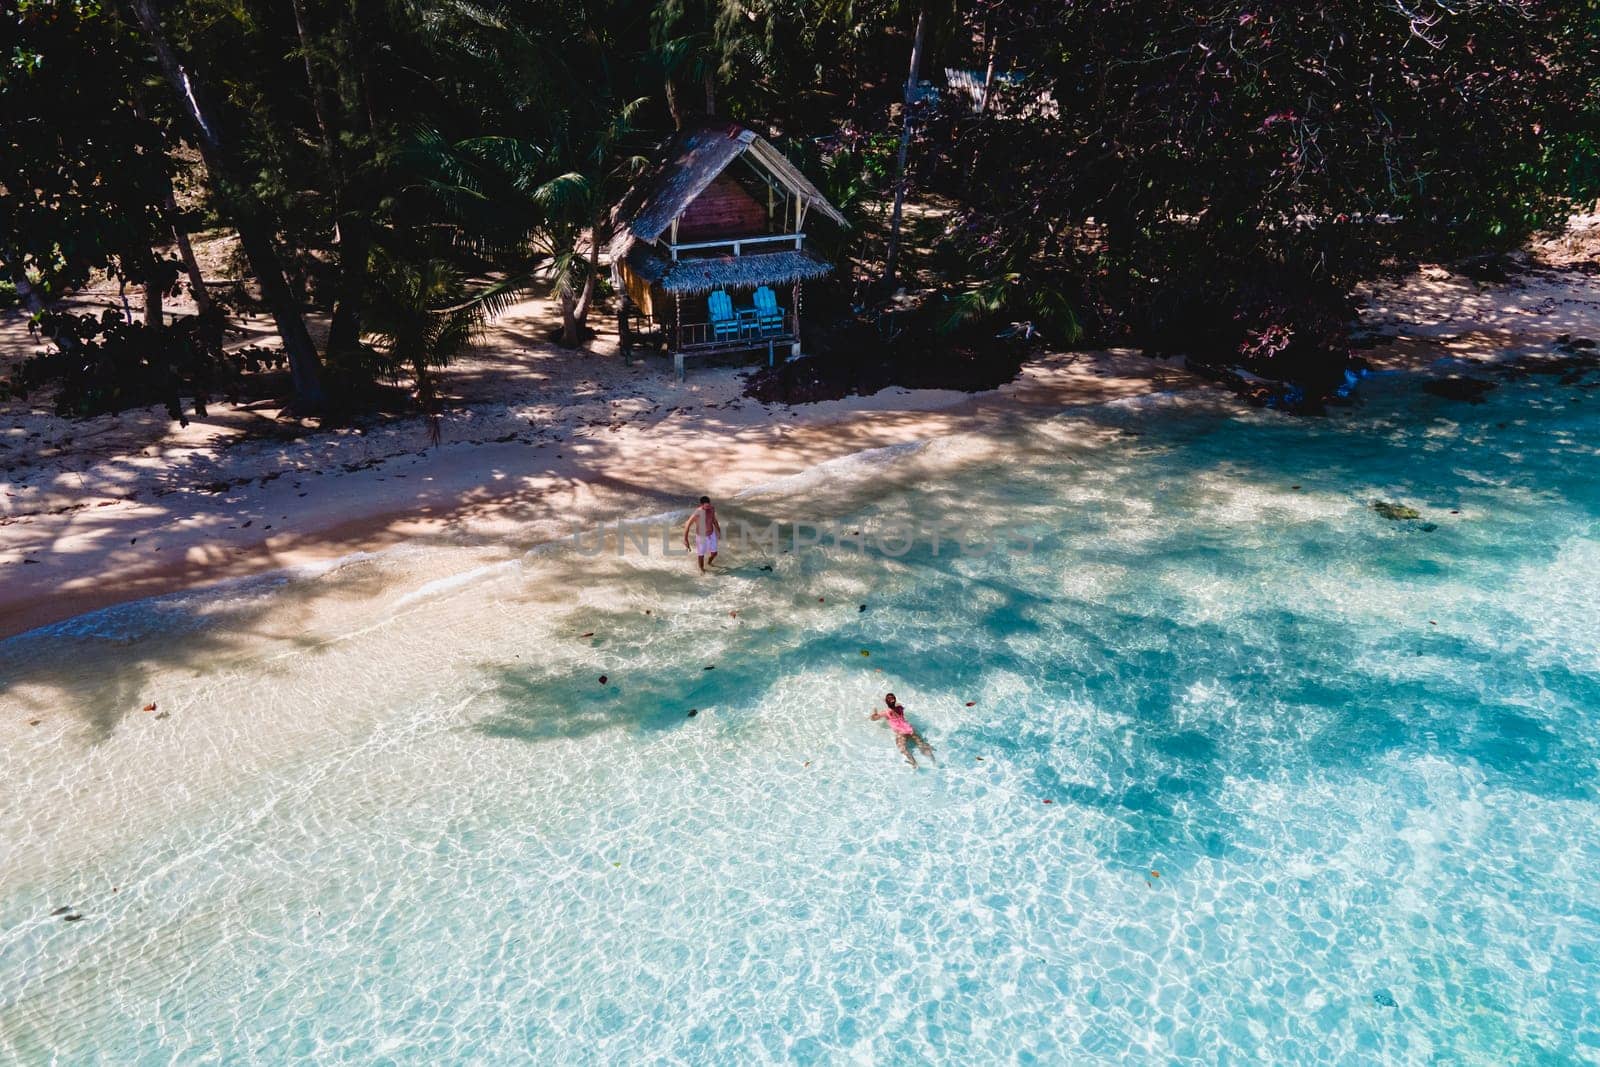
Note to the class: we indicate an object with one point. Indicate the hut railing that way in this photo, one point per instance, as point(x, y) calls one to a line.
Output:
point(702, 335)
point(737, 244)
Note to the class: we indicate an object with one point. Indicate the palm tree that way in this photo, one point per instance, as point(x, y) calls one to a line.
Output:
point(534, 204)
point(687, 39)
point(418, 316)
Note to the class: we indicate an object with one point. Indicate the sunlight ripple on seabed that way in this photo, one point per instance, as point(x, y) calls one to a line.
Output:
point(1232, 767)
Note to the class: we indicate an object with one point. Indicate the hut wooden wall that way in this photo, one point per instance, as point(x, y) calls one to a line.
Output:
point(643, 296)
point(724, 210)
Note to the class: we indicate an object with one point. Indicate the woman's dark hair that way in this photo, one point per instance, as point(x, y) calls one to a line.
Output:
point(888, 698)
point(705, 500)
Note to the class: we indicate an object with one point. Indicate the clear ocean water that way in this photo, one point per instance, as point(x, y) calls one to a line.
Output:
point(1232, 769)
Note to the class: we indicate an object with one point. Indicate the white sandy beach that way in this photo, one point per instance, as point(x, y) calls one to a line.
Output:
point(119, 507)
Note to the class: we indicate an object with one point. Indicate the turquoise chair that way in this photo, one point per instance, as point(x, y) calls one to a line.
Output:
point(724, 323)
point(769, 316)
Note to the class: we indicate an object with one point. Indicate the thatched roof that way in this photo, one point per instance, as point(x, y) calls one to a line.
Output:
point(691, 161)
point(693, 276)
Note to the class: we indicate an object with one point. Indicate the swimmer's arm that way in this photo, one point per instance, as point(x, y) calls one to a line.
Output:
point(876, 715)
point(686, 527)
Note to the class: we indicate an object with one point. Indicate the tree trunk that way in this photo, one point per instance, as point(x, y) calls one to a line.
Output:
point(152, 303)
point(313, 86)
point(710, 79)
point(191, 266)
point(344, 332)
point(255, 233)
point(672, 104)
point(353, 232)
point(594, 271)
point(571, 336)
point(891, 259)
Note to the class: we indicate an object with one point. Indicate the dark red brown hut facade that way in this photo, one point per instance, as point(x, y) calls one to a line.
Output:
point(709, 252)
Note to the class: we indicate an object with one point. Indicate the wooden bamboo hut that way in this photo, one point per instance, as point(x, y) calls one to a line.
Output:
point(709, 248)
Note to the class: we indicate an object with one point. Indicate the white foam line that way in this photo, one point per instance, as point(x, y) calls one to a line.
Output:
point(874, 459)
point(452, 582)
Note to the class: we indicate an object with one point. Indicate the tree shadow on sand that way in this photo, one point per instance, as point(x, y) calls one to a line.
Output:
point(101, 667)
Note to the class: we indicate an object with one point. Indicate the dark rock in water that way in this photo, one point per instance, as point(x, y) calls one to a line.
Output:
point(1471, 390)
point(768, 567)
point(602, 679)
point(71, 918)
point(61, 910)
point(1428, 527)
point(1384, 999)
point(861, 608)
point(1582, 342)
point(693, 712)
point(1395, 512)
point(1572, 367)
point(710, 668)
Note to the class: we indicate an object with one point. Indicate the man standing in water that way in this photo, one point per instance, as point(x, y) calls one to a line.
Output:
point(703, 522)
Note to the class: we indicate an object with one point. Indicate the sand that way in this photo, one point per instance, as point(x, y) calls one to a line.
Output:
point(99, 511)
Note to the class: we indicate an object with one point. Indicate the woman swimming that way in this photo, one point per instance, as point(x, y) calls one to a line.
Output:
point(905, 735)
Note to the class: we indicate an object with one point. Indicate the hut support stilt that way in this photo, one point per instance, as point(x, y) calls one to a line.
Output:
point(677, 337)
point(794, 349)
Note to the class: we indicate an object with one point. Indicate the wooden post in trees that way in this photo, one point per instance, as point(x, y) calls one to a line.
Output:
point(710, 80)
point(988, 85)
point(891, 259)
point(255, 234)
point(984, 103)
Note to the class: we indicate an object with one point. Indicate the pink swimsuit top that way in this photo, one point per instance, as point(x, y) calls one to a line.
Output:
point(897, 721)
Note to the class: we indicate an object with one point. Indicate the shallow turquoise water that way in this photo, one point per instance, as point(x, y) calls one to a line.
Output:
point(1361, 755)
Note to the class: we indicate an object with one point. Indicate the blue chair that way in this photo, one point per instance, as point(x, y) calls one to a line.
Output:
point(769, 316)
point(724, 323)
